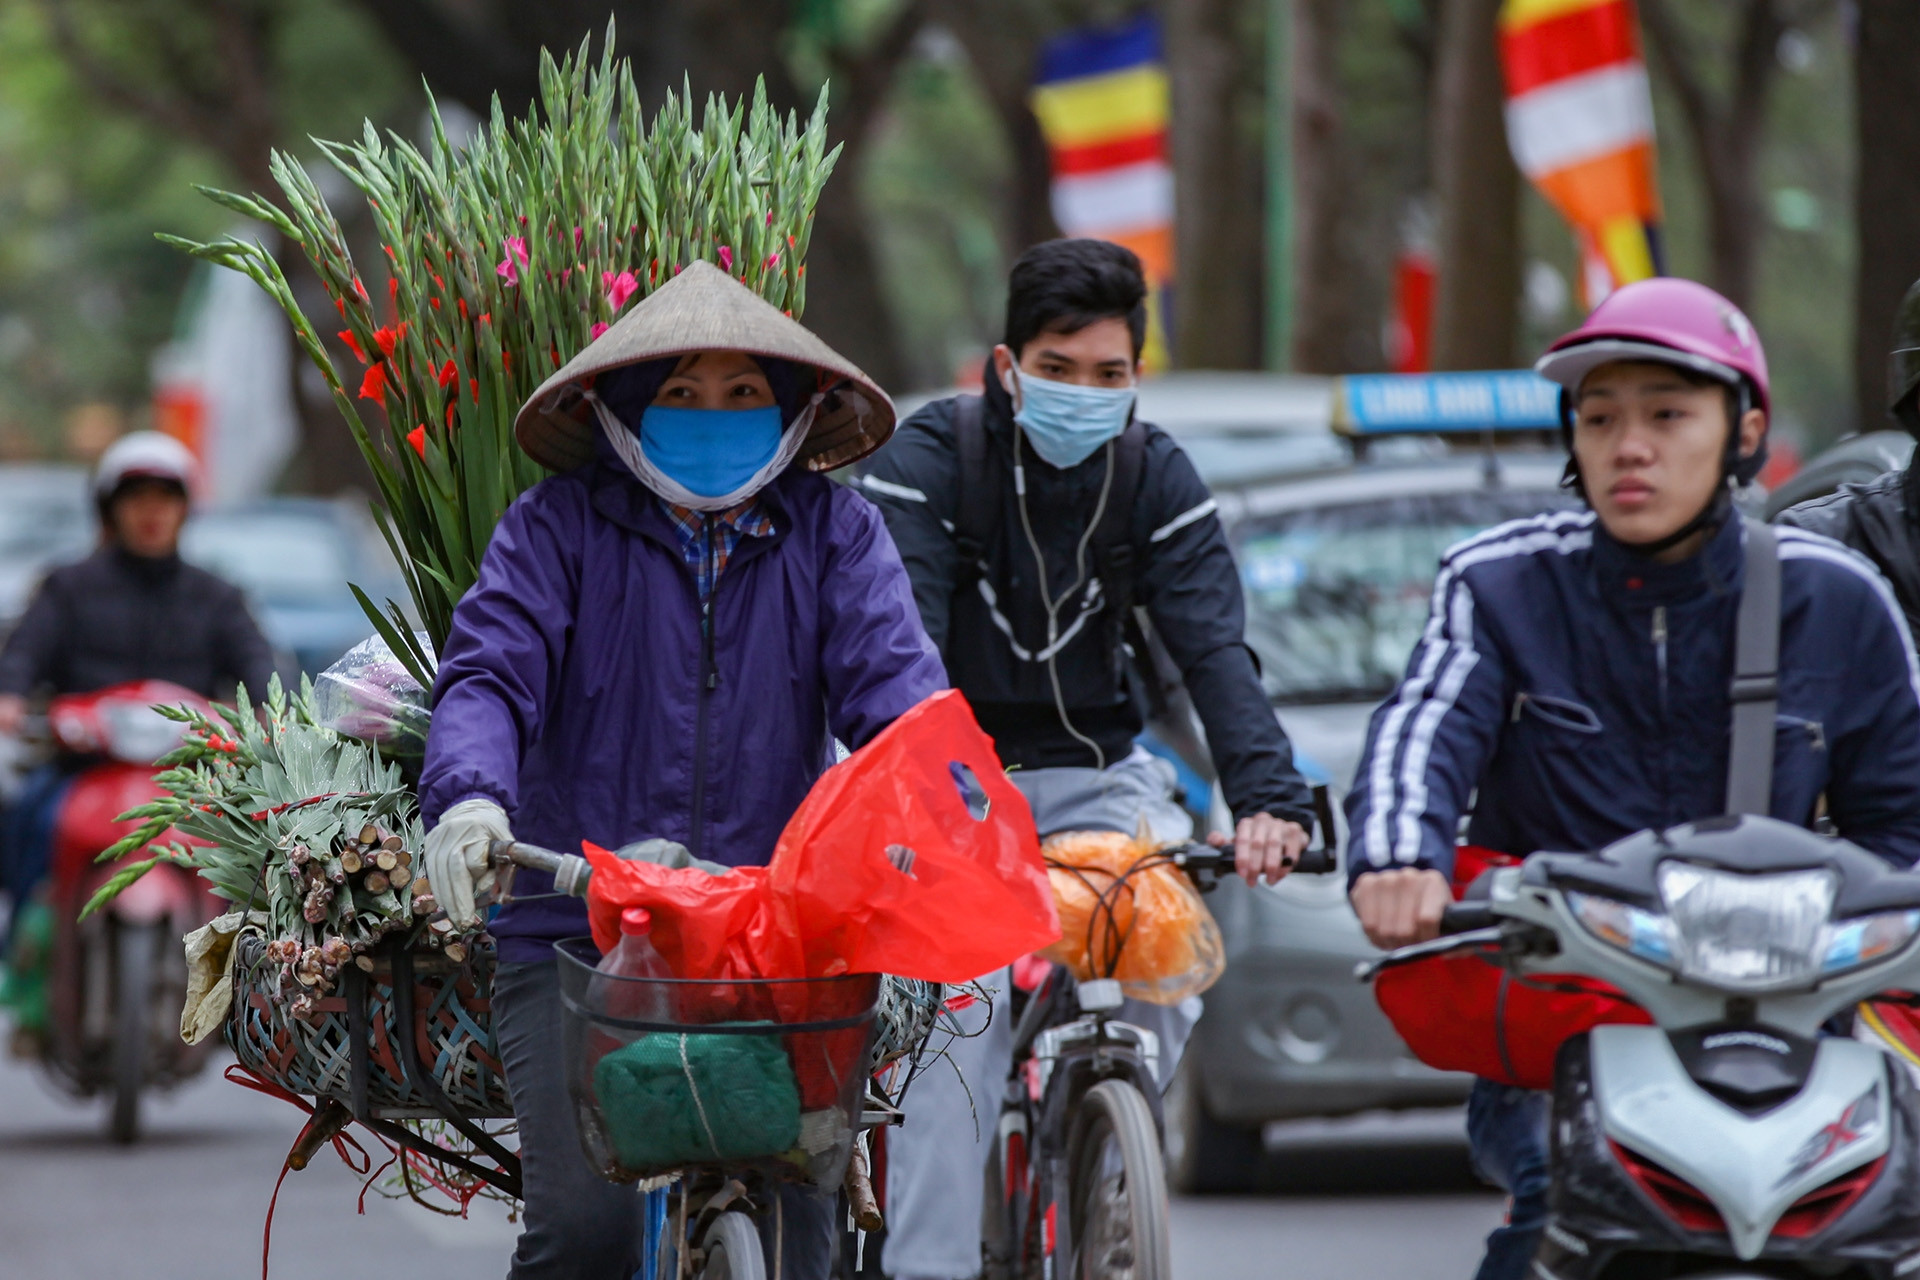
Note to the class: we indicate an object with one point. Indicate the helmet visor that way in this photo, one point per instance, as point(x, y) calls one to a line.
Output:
point(1570, 365)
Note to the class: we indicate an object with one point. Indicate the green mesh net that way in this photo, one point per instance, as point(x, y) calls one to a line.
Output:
point(668, 1099)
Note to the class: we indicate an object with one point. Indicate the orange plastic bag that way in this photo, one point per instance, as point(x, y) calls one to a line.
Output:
point(1168, 945)
point(914, 856)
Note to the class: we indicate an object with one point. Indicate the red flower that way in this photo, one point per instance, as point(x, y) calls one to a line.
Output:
point(620, 288)
point(353, 344)
point(509, 266)
point(374, 385)
point(726, 258)
point(387, 337)
point(599, 327)
point(473, 386)
point(340, 305)
point(418, 439)
point(434, 303)
point(506, 360)
point(361, 290)
point(448, 375)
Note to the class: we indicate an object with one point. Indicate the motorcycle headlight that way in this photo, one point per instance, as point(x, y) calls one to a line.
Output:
point(1852, 943)
point(1646, 934)
point(1747, 932)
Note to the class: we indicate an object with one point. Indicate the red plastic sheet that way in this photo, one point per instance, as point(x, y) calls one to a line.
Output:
point(1465, 1013)
point(915, 856)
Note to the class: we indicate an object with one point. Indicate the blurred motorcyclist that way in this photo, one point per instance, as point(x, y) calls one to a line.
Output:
point(1575, 673)
point(1881, 518)
point(1033, 520)
point(133, 610)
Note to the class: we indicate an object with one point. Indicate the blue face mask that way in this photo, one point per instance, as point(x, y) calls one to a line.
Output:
point(1065, 423)
point(710, 452)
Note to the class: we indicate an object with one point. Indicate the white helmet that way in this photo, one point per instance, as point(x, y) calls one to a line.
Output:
point(143, 455)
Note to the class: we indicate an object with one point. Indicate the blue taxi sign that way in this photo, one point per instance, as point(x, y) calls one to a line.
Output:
point(1500, 400)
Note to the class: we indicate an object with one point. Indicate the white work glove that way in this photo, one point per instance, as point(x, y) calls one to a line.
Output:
point(456, 857)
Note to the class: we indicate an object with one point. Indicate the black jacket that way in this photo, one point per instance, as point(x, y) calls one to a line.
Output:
point(115, 617)
point(1881, 520)
point(994, 635)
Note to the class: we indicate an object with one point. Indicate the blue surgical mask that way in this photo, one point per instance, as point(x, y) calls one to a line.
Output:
point(710, 452)
point(1066, 423)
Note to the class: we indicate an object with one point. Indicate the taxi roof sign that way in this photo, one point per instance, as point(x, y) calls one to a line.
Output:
point(1378, 404)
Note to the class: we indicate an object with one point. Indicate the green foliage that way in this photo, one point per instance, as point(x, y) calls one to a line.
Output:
point(503, 258)
point(86, 294)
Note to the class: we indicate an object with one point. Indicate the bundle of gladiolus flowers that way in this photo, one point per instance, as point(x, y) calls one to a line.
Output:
point(311, 830)
point(501, 258)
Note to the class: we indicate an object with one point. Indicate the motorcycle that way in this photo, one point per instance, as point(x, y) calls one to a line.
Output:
point(115, 981)
point(1738, 1136)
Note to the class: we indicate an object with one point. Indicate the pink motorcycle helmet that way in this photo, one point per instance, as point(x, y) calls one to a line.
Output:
point(1667, 320)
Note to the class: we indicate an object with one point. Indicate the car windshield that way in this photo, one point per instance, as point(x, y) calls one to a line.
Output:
point(271, 556)
point(1337, 595)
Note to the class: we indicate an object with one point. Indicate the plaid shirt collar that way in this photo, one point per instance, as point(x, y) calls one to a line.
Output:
point(748, 520)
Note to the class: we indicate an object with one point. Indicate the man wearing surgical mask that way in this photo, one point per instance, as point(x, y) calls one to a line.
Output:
point(1037, 521)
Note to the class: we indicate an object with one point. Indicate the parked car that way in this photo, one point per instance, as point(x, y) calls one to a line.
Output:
point(294, 557)
point(46, 519)
point(1337, 557)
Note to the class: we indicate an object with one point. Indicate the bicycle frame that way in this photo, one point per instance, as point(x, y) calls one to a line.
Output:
point(1062, 1049)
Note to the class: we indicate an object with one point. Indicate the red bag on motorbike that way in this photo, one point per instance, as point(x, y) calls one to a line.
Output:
point(1465, 1013)
point(915, 857)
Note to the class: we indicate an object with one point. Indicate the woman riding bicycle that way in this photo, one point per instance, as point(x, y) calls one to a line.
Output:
point(663, 642)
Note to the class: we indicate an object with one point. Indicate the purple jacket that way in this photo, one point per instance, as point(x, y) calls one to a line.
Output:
point(577, 692)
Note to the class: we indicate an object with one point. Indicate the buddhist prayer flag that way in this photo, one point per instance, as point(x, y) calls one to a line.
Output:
point(1102, 100)
point(1580, 124)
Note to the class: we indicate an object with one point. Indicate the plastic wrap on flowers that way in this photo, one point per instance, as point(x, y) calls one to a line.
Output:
point(1128, 914)
point(369, 695)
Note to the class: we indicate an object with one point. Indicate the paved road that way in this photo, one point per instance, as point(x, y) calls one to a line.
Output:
point(1342, 1201)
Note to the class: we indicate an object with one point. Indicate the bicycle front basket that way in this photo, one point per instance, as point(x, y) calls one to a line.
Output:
point(673, 1075)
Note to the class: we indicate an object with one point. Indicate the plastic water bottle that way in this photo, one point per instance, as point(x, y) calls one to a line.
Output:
point(636, 958)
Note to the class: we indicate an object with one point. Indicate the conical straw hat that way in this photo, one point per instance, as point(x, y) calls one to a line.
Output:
point(705, 309)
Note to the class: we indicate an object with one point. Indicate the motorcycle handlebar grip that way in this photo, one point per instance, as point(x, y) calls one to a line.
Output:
point(1464, 917)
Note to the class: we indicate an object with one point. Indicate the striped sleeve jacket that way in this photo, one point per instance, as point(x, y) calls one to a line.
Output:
point(1567, 692)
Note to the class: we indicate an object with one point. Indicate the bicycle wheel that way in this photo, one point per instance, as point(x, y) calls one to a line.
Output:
point(733, 1250)
point(1117, 1188)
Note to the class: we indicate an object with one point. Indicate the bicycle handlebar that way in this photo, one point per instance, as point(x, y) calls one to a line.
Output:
point(570, 871)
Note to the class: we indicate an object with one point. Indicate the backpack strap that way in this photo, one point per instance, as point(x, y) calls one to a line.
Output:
point(1755, 692)
point(973, 507)
point(1113, 551)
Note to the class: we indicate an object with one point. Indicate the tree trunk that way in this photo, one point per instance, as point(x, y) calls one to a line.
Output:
point(1331, 332)
point(1887, 209)
point(1001, 37)
point(1217, 281)
point(1477, 239)
point(1726, 136)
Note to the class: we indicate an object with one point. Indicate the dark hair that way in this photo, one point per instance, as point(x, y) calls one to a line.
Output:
point(1062, 286)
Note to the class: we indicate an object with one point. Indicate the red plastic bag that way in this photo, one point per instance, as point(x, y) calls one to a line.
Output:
point(915, 856)
point(1465, 1013)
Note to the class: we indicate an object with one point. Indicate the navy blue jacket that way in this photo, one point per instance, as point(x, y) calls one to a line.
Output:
point(1581, 691)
